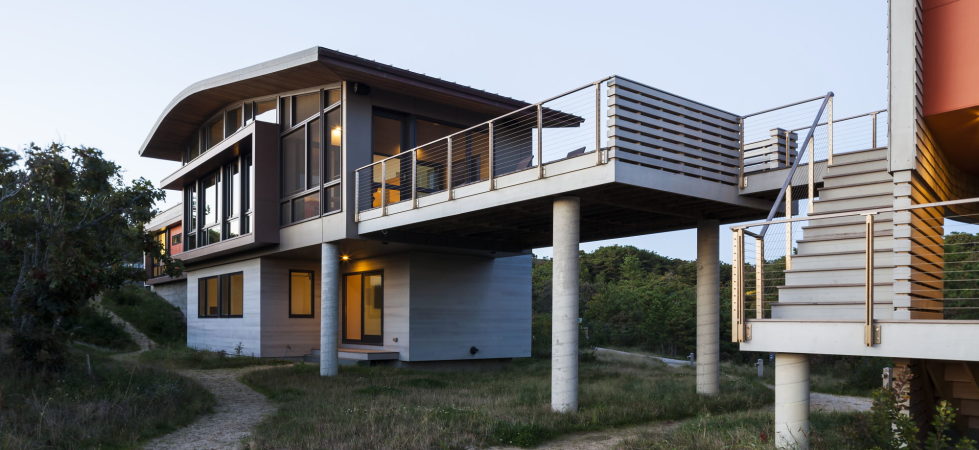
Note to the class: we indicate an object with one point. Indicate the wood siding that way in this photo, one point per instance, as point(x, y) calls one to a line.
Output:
point(459, 302)
point(656, 129)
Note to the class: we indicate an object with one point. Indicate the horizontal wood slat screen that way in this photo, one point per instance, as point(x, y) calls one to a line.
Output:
point(656, 129)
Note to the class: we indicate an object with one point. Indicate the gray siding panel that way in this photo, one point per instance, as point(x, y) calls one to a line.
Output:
point(458, 302)
point(282, 335)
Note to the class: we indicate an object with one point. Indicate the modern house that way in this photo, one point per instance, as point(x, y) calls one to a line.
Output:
point(333, 204)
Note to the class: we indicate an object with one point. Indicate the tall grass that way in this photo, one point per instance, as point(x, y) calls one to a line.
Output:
point(382, 407)
point(187, 358)
point(118, 405)
point(149, 313)
point(754, 430)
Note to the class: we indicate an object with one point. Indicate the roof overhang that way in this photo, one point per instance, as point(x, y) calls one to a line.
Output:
point(313, 67)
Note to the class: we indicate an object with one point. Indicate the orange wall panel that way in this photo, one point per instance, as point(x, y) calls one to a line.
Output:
point(951, 55)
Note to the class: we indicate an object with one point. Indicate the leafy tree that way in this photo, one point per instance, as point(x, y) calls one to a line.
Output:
point(70, 227)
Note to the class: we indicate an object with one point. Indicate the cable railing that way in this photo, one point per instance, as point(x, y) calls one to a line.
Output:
point(911, 263)
point(770, 141)
point(525, 140)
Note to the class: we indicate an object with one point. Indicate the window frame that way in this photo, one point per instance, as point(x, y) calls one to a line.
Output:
point(312, 294)
point(222, 279)
point(287, 106)
point(343, 311)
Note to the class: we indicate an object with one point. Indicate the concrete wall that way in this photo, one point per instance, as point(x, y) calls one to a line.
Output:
point(283, 335)
point(227, 333)
point(174, 293)
point(459, 302)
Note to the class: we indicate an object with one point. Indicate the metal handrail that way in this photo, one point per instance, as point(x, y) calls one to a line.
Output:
point(783, 106)
point(795, 164)
point(851, 213)
point(836, 121)
point(481, 124)
point(741, 329)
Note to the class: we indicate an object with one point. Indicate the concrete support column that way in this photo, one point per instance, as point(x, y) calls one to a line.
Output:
point(329, 309)
point(708, 308)
point(791, 401)
point(564, 298)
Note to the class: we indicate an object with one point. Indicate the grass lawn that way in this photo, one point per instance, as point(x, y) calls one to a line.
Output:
point(383, 407)
point(117, 406)
point(175, 357)
point(753, 429)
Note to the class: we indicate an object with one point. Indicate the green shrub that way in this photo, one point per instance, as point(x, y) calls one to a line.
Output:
point(96, 328)
point(149, 313)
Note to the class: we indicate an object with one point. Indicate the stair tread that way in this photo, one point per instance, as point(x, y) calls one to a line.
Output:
point(835, 302)
point(863, 183)
point(832, 269)
point(853, 174)
point(809, 286)
point(852, 197)
point(858, 220)
point(846, 236)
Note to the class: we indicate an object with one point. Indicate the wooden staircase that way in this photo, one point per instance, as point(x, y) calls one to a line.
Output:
point(826, 281)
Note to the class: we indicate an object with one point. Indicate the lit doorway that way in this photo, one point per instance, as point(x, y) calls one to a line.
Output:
point(363, 308)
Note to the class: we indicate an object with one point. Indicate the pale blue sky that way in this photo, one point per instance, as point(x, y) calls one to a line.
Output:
point(99, 73)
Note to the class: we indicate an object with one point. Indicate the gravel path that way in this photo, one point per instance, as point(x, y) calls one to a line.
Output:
point(237, 411)
point(237, 407)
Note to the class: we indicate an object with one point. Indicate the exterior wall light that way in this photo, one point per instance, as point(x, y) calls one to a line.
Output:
point(345, 258)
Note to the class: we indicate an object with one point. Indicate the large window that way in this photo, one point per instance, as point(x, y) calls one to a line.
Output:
point(300, 293)
point(219, 205)
point(394, 132)
point(309, 121)
point(221, 296)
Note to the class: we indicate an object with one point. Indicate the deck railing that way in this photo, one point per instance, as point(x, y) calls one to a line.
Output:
point(770, 142)
point(525, 140)
point(917, 262)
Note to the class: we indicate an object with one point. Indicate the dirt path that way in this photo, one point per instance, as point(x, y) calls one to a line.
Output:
point(237, 407)
point(237, 411)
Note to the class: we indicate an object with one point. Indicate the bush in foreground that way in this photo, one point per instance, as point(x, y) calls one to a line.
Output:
point(117, 406)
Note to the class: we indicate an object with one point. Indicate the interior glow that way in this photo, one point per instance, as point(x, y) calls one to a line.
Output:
point(335, 134)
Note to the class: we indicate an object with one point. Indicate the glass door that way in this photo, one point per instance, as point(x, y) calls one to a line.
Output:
point(363, 308)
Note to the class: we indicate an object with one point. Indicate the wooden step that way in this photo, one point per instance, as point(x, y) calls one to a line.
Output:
point(847, 310)
point(856, 227)
point(865, 176)
point(831, 260)
point(879, 164)
point(857, 202)
point(857, 189)
point(843, 244)
point(859, 156)
point(835, 293)
point(832, 277)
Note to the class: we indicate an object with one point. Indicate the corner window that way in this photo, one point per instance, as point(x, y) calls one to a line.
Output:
point(221, 296)
point(310, 155)
point(300, 293)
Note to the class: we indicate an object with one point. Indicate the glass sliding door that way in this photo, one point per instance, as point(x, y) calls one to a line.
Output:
point(363, 308)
